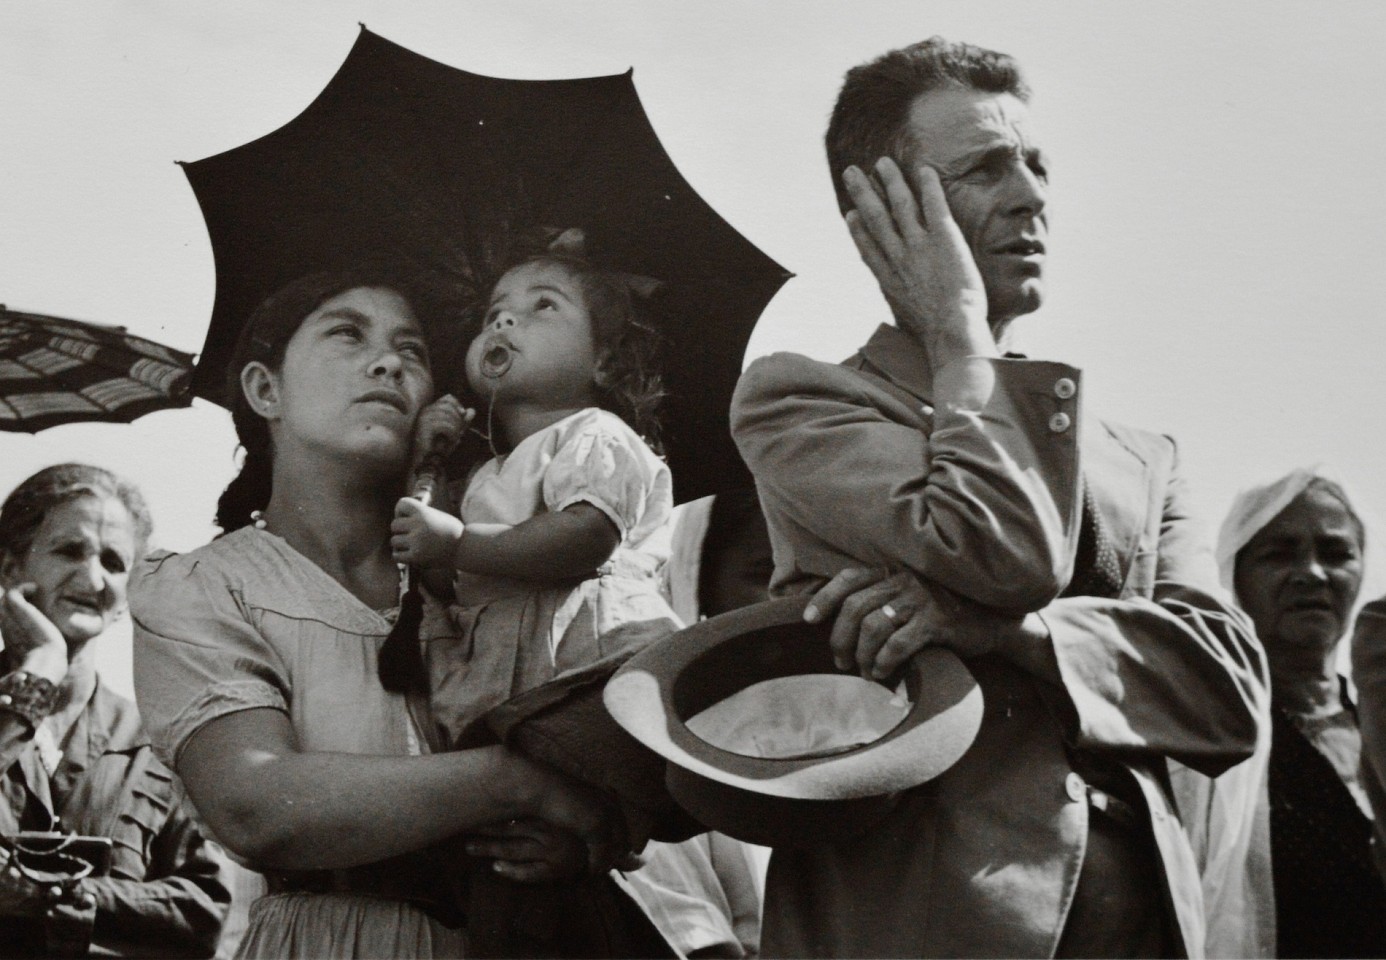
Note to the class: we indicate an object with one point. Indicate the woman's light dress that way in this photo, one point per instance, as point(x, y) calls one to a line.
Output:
point(247, 622)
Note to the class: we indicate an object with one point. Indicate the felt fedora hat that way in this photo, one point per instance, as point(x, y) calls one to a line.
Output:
point(767, 741)
point(563, 723)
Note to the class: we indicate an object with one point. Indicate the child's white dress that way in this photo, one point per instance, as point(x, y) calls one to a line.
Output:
point(516, 634)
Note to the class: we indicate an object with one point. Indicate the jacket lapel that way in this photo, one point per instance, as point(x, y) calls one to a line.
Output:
point(1117, 477)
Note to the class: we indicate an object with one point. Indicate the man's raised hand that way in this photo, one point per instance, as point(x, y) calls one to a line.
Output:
point(909, 240)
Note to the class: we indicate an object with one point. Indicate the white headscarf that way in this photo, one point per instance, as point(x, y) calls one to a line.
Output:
point(1229, 819)
point(1255, 507)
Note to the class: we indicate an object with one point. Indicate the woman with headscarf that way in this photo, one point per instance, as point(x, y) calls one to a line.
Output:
point(73, 756)
point(1296, 835)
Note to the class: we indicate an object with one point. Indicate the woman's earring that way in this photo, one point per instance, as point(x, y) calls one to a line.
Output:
point(257, 519)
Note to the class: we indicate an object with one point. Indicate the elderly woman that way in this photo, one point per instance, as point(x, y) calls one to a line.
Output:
point(73, 755)
point(256, 655)
point(1292, 552)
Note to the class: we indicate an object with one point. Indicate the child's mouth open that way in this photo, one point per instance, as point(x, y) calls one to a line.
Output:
point(496, 357)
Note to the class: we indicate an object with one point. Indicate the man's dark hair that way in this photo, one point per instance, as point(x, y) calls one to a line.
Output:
point(868, 120)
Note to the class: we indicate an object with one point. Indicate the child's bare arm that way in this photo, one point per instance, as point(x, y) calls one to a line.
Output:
point(551, 546)
point(568, 543)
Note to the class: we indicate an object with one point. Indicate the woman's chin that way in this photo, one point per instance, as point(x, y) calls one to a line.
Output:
point(1309, 630)
point(381, 446)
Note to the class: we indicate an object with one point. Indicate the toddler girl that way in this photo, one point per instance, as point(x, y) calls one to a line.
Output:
point(556, 555)
point(557, 551)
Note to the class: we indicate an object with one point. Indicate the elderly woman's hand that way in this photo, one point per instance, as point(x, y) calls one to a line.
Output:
point(883, 619)
point(34, 644)
point(19, 896)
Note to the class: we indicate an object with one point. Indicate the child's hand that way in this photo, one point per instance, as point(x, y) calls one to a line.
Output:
point(530, 851)
point(422, 536)
point(440, 426)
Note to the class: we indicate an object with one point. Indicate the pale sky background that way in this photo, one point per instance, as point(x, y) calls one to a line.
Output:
point(1216, 203)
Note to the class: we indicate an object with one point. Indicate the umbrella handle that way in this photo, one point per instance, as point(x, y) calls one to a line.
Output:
point(401, 667)
point(427, 476)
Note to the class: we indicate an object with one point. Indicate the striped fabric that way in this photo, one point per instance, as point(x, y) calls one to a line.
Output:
point(56, 371)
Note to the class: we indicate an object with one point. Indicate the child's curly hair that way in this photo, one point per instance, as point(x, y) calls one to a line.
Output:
point(627, 378)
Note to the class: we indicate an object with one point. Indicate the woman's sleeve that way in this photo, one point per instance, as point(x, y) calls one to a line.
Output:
point(607, 465)
point(197, 654)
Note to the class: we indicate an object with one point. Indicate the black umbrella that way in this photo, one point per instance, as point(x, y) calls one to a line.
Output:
point(55, 371)
point(403, 156)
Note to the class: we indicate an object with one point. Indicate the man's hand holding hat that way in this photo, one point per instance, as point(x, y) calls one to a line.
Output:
point(883, 619)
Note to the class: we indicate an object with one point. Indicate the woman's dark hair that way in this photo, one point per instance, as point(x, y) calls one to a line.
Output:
point(24, 510)
point(627, 379)
point(265, 337)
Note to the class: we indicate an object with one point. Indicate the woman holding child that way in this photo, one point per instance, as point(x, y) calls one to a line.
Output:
point(256, 656)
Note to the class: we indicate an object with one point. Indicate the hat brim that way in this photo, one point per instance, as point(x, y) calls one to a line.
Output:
point(654, 694)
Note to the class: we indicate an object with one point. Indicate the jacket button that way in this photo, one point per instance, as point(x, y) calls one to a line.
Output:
point(1060, 422)
point(1064, 388)
point(1075, 787)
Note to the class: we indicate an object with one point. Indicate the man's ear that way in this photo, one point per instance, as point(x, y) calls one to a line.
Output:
point(261, 389)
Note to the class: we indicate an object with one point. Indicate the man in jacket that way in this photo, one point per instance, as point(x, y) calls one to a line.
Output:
point(1052, 551)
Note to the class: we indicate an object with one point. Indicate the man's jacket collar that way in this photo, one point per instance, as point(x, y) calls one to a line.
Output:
point(895, 355)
